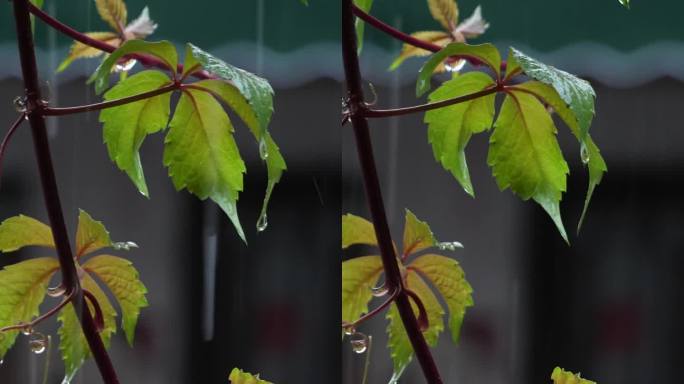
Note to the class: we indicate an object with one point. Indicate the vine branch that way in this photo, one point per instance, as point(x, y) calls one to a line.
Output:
point(67, 299)
point(374, 312)
point(50, 191)
point(374, 195)
point(8, 137)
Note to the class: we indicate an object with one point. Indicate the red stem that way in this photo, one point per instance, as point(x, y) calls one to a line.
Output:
point(374, 312)
point(8, 137)
point(374, 195)
point(51, 192)
point(145, 60)
point(49, 111)
point(42, 317)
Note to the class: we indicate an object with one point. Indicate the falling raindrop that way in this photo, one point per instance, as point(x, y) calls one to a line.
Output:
point(380, 291)
point(449, 246)
point(359, 342)
point(124, 246)
point(37, 343)
point(20, 104)
point(125, 67)
point(584, 153)
point(263, 149)
point(262, 223)
point(56, 291)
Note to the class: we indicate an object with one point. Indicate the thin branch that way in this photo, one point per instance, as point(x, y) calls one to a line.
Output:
point(32, 324)
point(8, 137)
point(50, 190)
point(374, 312)
point(145, 60)
point(56, 111)
point(376, 206)
point(379, 113)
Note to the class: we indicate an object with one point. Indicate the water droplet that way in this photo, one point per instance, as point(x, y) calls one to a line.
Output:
point(20, 104)
point(359, 342)
point(56, 291)
point(124, 245)
point(380, 291)
point(263, 149)
point(262, 223)
point(2, 362)
point(38, 343)
point(127, 66)
point(455, 67)
point(350, 330)
point(27, 330)
point(449, 245)
point(584, 153)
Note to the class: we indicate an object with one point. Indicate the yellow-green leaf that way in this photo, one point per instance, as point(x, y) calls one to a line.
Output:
point(72, 341)
point(359, 276)
point(113, 12)
point(399, 343)
point(23, 286)
point(417, 235)
point(435, 37)
point(444, 11)
point(79, 50)
point(91, 235)
point(357, 230)
point(449, 279)
point(238, 376)
point(21, 231)
point(123, 281)
point(561, 376)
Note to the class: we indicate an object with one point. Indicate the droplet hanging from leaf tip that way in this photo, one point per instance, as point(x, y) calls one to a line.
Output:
point(449, 246)
point(124, 245)
point(20, 104)
point(262, 223)
point(37, 343)
point(263, 149)
point(584, 153)
point(359, 342)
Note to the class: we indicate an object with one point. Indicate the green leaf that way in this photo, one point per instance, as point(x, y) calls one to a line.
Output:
point(486, 53)
point(359, 276)
point(417, 235)
point(625, 3)
point(123, 281)
point(561, 376)
point(525, 156)
point(440, 38)
point(450, 128)
point(577, 93)
point(21, 231)
point(256, 90)
point(237, 376)
point(72, 341)
point(399, 343)
point(80, 50)
point(449, 279)
point(201, 153)
point(364, 5)
point(163, 50)
point(357, 230)
point(91, 235)
point(591, 156)
point(305, 2)
point(23, 286)
point(445, 12)
point(113, 12)
point(126, 126)
point(269, 151)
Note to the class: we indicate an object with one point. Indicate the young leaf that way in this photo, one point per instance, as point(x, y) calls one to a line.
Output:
point(577, 93)
point(126, 126)
point(91, 235)
point(449, 279)
point(256, 90)
point(398, 341)
point(591, 156)
point(113, 12)
point(445, 12)
point(359, 276)
point(450, 128)
point(123, 281)
point(23, 286)
point(357, 230)
point(486, 53)
point(525, 156)
point(201, 153)
point(364, 5)
point(474, 25)
point(163, 50)
point(435, 37)
point(79, 50)
point(417, 235)
point(72, 341)
point(22, 231)
point(269, 151)
point(237, 376)
point(141, 27)
point(561, 376)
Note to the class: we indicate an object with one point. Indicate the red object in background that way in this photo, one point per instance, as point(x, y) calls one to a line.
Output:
point(619, 326)
point(278, 326)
